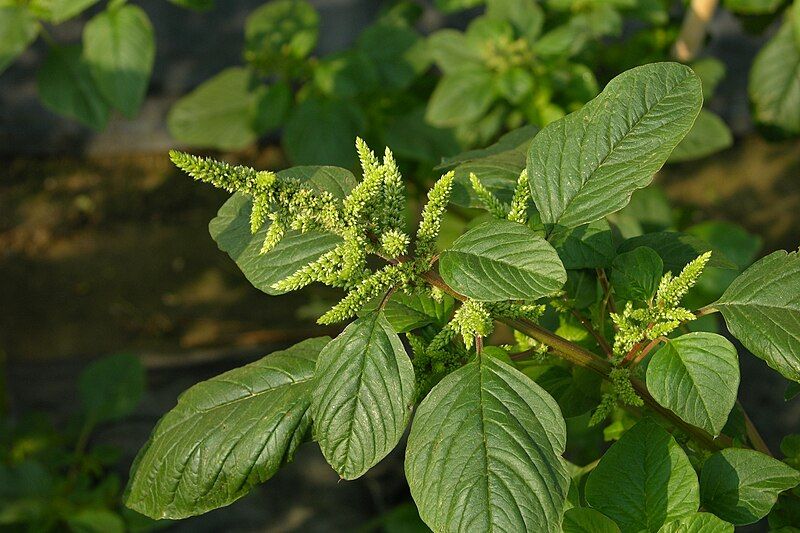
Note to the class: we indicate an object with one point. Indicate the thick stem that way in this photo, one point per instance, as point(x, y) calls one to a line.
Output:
point(693, 30)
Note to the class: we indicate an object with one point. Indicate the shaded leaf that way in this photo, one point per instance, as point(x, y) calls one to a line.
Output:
point(635, 275)
point(697, 523)
point(461, 97)
point(588, 246)
point(18, 29)
point(321, 132)
point(585, 520)
point(774, 85)
point(676, 249)
point(111, 387)
point(709, 135)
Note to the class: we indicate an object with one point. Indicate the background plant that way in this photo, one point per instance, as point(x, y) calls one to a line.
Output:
point(601, 339)
point(56, 480)
point(108, 70)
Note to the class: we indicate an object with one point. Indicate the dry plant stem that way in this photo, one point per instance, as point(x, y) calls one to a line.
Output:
point(693, 31)
point(586, 359)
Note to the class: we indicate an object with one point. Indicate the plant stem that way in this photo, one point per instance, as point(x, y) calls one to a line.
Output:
point(693, 30)
point(581, 357)
point(753, 434)
point(601, 341)
point(609, 299)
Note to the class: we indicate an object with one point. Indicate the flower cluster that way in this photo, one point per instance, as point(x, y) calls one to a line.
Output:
point(622, 391)
point(517, 212)
point(369, 220)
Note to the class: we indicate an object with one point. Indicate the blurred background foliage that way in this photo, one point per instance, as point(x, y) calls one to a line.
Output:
point(104, 248)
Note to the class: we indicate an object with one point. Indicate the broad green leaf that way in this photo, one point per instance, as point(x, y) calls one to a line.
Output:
point(698, 523)
point(498, 167)
point(587, 246)
point(219, 113)
point(696, 376)
point(363, 395)
point(762, 309)
point(397, 53)
point(676, 249)
point(58, 11)
point(585, 520)
point(502, 260)
point(774, 85)
point(588, 164)
point(66, 87)
point(18, 29)
point(231, 230)
point(484, 453)
point(576, 390)
point(452, 51)
point(709, 135)
point(320, 131)
point(752, 7)
point(461, 97)
point(119, 47)
point(711, 71)
point(737, 244)
point(644, 480)
point(525, 15)
point(281, 32)
point(741, 486)
point(111, 387)
point(272, 107)
point(635, 275)
point(406, 312)
point(226, 435)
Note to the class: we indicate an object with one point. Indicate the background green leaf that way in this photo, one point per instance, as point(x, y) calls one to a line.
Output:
point(587, 246)
point(774, 85)
point(18, 29)
point(586, 165)
point(696, 376)
point(709, 135)
point(219, 113)
point(502, 260)
point(461, 97)
point(484, 453)
point(119, 47)
point(111, 387)
point(66, 87)
point(741, 486)
point(363, 395)
point(676, 249)
point(644, 480)
point(322, 131)
point(281, 32)
point(226, 435)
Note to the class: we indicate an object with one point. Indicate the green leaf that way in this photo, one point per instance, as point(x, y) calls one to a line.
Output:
point(709, 135)
point(753, 7)
point(741, 486)
point(644, 480)
point(452, 51)
point(411, 137)
point(710, 71)
point(502, 260)
point(448, 6)
point(281, 31)
point(363, 395)
point(525, 15)
point(484, 453)
point(406, 312)
point(635, 275)
point(18, 29)
point(698, 523)
point(587, 246)
point(90, 520)
point(585, 520)
point(111, 387)
point(762, 309)
point(231, 230)
point(498, 166)
point(58, 11)
point(576, 390)
point(219, 113)
point(676, 249)
point(321, 131)
point(461, 97)
point(66, 87)
point(774, 85)
point(397, 53)
point(696, 376)
point(226, 435)
point(119, 47)
point(586, 165)
point(272, 107)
